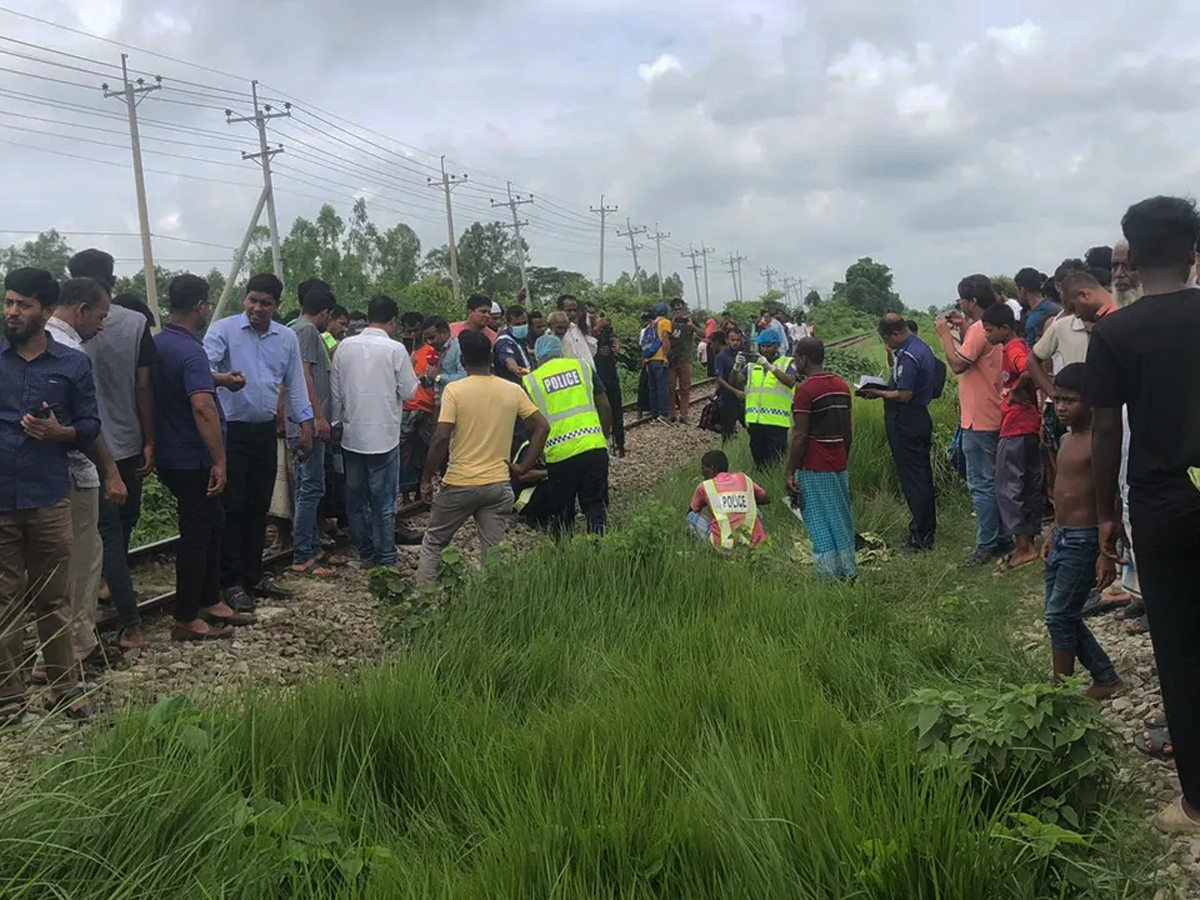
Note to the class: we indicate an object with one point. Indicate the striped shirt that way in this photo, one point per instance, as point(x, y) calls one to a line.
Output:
point(826, 399)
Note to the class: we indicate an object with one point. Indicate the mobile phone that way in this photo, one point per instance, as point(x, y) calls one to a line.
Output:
point(41, 413)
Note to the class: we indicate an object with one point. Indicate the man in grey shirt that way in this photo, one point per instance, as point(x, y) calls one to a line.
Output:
point(307, 553)
point(122, 356)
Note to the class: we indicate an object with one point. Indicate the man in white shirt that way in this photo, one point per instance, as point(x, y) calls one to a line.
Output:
point(372, 377)
point(575, 344)
point(83, 305)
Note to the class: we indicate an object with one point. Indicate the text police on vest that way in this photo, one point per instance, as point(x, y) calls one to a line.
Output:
point(562, 381)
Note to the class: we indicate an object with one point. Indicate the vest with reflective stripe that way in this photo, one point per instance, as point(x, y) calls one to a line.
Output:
point(562, 391)
point(739, 500)
point(767, 401)
point(526, 494)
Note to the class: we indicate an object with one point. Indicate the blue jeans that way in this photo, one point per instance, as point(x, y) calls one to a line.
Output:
point(310, 488)
point(979, 447)
point(371, 480)
point(1070, 577)
point(656, 376)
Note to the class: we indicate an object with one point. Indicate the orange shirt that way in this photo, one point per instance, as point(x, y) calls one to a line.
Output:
point(425, 400)
point(979, 386)
point(456, 327)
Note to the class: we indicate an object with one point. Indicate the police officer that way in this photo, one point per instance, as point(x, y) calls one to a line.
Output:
point(571, 397)
point(915, 381)
point(770, 382)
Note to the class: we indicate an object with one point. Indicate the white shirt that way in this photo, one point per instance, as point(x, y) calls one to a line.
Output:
point(372, 377)
point(1015, 307)
point(575, 346)
point(83, 471)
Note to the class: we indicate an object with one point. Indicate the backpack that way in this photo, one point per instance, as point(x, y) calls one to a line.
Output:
point(650, 341)
point(939, 377)
point(710, 416)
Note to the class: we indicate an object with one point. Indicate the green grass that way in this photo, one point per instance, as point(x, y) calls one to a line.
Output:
point(631, 718)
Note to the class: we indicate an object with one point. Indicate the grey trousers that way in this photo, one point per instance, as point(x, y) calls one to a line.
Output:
point(1019, 484)
point(490, 504)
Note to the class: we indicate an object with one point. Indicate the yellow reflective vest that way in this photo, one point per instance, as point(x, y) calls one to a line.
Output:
point(522, 499)
point(736, 500)
point(768, 402)
point(562, 390)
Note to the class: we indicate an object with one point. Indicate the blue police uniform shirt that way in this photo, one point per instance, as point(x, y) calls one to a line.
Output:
point(913, 370)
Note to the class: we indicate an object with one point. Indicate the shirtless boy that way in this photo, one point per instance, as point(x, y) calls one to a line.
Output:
point(1073, 548)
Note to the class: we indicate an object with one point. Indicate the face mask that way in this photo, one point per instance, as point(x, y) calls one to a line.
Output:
point(520, 332)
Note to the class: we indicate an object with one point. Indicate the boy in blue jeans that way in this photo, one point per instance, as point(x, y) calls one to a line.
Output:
point(1073, 548)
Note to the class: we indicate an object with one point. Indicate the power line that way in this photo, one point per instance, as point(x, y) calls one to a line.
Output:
point(603, 211)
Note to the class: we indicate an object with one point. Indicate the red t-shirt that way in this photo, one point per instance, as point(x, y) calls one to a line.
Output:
point(826, 399)
point(1019, 414)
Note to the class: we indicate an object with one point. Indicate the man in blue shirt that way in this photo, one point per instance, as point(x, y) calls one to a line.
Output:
point(256, 365)
point(47, 408)
point(909, 427)
point(1029, 292)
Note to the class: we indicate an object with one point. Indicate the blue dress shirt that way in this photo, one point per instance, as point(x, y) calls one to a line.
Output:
point(267, 360)
point(913, 370)
point(35, 473)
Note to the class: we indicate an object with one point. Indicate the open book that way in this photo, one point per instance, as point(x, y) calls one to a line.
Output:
point(870, 383)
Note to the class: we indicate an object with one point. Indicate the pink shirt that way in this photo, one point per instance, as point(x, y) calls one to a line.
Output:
point(731, 481)
point(979, 386)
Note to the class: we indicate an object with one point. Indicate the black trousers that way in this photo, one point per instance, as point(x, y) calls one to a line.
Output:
point(732, 413)
point(1167, 547)
point(768, 444)
point(910, 435)
point(116, 528)
point(201, 525)
point(250, 459)
point(584, 476)
point(606, 369)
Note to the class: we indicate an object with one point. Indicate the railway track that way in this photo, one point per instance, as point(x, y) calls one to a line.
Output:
point(147, 554)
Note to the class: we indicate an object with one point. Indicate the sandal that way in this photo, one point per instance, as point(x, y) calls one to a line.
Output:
point(1157, 721)
point(237, 620)
point(313, 569)
point(1140, 625)
point(1155, 742)
point(1097, 605)
point(333, 559)
point(1135, 610)
point(73, 704)
point(12, 710)
point(181, 634)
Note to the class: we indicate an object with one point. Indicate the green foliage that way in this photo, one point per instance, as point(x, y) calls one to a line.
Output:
point(1045, 750)
point(49, 251)
point(1006, 282)
point(159, 519)
point(849, 364)
point(813, 298)
point(836, 320)
point(868, 288)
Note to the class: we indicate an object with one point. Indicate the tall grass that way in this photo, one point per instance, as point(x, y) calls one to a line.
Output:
point(634, 717)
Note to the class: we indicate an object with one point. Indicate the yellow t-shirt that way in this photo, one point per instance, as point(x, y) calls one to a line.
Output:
point(483, 410)
point(663, 326)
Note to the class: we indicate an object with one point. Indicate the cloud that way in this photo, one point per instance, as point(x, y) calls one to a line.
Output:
point(660, 67)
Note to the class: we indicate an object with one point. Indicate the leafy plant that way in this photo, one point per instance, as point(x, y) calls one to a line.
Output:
point(1047, 749)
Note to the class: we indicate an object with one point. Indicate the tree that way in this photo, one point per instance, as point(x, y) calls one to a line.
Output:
point(812, 298)
point(49, 251)
point(1010, 286)
point(771, 298)
point(673, 286)
point(398, 257)
point(136, 284)
point(868, 288)
point(547, 284)
point(485, 261)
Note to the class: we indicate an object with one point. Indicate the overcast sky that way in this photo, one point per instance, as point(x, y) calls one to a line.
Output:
point(941, 138)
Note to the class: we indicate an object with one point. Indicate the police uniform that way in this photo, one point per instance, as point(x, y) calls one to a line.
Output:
point(768, 410)
point(576, 450)
point(910, 435)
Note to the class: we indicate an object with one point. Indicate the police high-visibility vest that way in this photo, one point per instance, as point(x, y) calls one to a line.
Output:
point(562, 391)
point(737, 499)
point(523, 498)
point(768, 402)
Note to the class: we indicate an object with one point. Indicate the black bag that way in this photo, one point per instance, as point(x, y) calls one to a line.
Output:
point(939, 377)
point(710, 416)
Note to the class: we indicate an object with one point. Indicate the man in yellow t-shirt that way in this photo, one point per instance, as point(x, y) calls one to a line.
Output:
point(474, 433)
point(656, 345)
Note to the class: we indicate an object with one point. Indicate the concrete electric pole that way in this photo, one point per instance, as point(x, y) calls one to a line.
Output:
point(695, 267)
point(768, 273)
point(447, 184)
point(603, 212)
point(132, 94)
point(658, 237)
point(704, 251)
point(634, 246)
point(515, 200)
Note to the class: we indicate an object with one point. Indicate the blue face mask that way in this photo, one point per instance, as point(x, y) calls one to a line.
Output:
point(520, 332)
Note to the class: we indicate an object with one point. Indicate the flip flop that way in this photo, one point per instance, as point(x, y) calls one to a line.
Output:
point(1136, 609)
point(183, 635)
point(1155, 742)
point(237, 620)
point(1140, 625)
point(73, 704)
point(12, 710)
point(1098, 606)
point(313, 569)
point(331, 559)
point(1156, 721)
point(1173, 820)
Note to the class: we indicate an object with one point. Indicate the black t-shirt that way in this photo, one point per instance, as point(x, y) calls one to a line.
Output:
point(1144, 357)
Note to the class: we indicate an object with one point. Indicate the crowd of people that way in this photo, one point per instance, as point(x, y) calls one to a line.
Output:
point(1075, 408)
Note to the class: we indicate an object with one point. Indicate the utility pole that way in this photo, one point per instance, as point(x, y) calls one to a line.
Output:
point(734, 264)
point(704, 251)
point(447, 184)
point(603, 212)
point(741, 290)
point(695, 267)
point(132, 95)
point(265, 200)
point(788, 283)
point(634, 246)
point(657, 237)
point(515, 200)
point(768, 273)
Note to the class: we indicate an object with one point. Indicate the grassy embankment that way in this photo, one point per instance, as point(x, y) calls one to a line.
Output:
point(635, 719)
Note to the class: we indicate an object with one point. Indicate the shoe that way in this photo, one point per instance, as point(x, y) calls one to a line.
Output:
point(981, 557)
point(268, 587)
point(241, 601)
point(405, 536)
